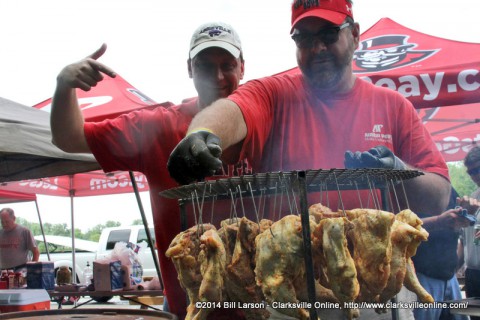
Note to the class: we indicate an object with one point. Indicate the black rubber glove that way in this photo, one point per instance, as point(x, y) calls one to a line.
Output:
point(195, 157)
point(378, 157)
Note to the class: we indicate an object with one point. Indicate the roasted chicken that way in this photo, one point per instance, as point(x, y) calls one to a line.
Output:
point(212, 259)
point(372, 251)
point(329, 240)
point(280, 267)
point(402, 236)
point(411, 283)
point(240, 284)
point(184, 252)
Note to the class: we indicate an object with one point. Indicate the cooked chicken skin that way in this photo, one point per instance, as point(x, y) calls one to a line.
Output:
point(212, 258)
point(184, 251)
point(410, 218)
point(372, 251)
point(402, 237)
point(228, 234)
point(280, 263)
point(240, 281)
point(330, 236)
point(411, 283)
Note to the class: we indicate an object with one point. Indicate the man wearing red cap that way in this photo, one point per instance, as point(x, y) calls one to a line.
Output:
point(313, 118)
point(142, 140)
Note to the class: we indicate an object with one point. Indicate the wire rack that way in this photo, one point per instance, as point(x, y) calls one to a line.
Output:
point(331, 179)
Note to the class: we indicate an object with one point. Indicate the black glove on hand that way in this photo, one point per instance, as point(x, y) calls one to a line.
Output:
point(378, 157)
point(195, 157)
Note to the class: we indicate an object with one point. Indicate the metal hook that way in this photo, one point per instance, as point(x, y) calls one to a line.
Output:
point(254, 206)
point(241, 200)
point(358, 193)
point(405, 194)
point(340, 200)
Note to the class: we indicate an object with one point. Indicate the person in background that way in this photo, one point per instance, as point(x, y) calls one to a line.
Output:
point(314, 118)
point(16, 243)
point(143, 140)
point(468, 250)
point(436, 261)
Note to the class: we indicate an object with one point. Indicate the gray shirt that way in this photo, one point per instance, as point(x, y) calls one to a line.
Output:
point(15, 246)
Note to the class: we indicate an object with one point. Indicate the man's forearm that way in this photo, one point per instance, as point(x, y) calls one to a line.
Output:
point(66, 121)
point(36, 254)
point(428, 194)
point(224, 119)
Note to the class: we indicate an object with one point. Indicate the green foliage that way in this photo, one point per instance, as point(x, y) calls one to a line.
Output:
point(61, 229)
point(460, 179)
point(137, 222)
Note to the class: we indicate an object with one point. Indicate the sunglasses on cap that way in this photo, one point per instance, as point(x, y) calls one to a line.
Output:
point(327, 36)
point(473, 171)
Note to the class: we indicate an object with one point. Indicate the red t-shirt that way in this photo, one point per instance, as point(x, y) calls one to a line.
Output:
point(142, 141)
point(289, 128)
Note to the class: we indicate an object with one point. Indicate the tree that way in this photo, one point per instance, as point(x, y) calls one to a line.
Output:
point(460, 179)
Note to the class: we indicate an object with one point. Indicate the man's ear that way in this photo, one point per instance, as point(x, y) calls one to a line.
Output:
point(242, 72)
point(189, 66)
point(356, 33)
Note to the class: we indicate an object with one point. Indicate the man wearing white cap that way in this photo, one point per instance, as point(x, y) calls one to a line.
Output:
point(143, 140)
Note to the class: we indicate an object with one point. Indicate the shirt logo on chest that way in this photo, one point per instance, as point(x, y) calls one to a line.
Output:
point(378, 135)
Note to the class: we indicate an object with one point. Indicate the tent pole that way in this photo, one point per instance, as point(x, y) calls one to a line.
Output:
point(145, 224)
point(72, 194)
point(43, 231)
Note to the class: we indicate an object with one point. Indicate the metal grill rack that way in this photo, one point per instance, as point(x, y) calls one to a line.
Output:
point(301, 182)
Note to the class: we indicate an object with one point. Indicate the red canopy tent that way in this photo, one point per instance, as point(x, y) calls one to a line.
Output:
point(432, 73)
point(11, 196)
point(440, 77)
point(108, 99)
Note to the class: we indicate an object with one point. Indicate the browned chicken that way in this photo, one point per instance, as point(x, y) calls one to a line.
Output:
point(411, 283)
point(319, 212)
point(372, 251)
point(410, 218)
point(402, 237)
point(280, 267)
point(184, 251)
point(228, 234)
point(329, 240)
point(240, 283)
point(212, 259)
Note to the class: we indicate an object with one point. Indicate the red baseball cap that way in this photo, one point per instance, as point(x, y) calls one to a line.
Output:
point(334, 11)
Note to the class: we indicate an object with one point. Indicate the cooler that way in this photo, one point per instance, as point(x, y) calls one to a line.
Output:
point(13, 300)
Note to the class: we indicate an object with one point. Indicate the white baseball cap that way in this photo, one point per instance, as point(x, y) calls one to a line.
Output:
point(215, 34)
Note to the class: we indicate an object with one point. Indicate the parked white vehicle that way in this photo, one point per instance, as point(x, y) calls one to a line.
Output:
point(134, 234)
point(88, 251)
point(60, 250)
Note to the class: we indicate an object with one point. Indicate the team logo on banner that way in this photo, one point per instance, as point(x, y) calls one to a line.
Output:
point(386, 53)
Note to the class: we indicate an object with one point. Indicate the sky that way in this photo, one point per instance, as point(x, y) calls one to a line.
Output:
point(148, 44)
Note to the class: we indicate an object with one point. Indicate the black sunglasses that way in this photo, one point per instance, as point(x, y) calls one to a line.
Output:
point(327, 36)
point(473, 171)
